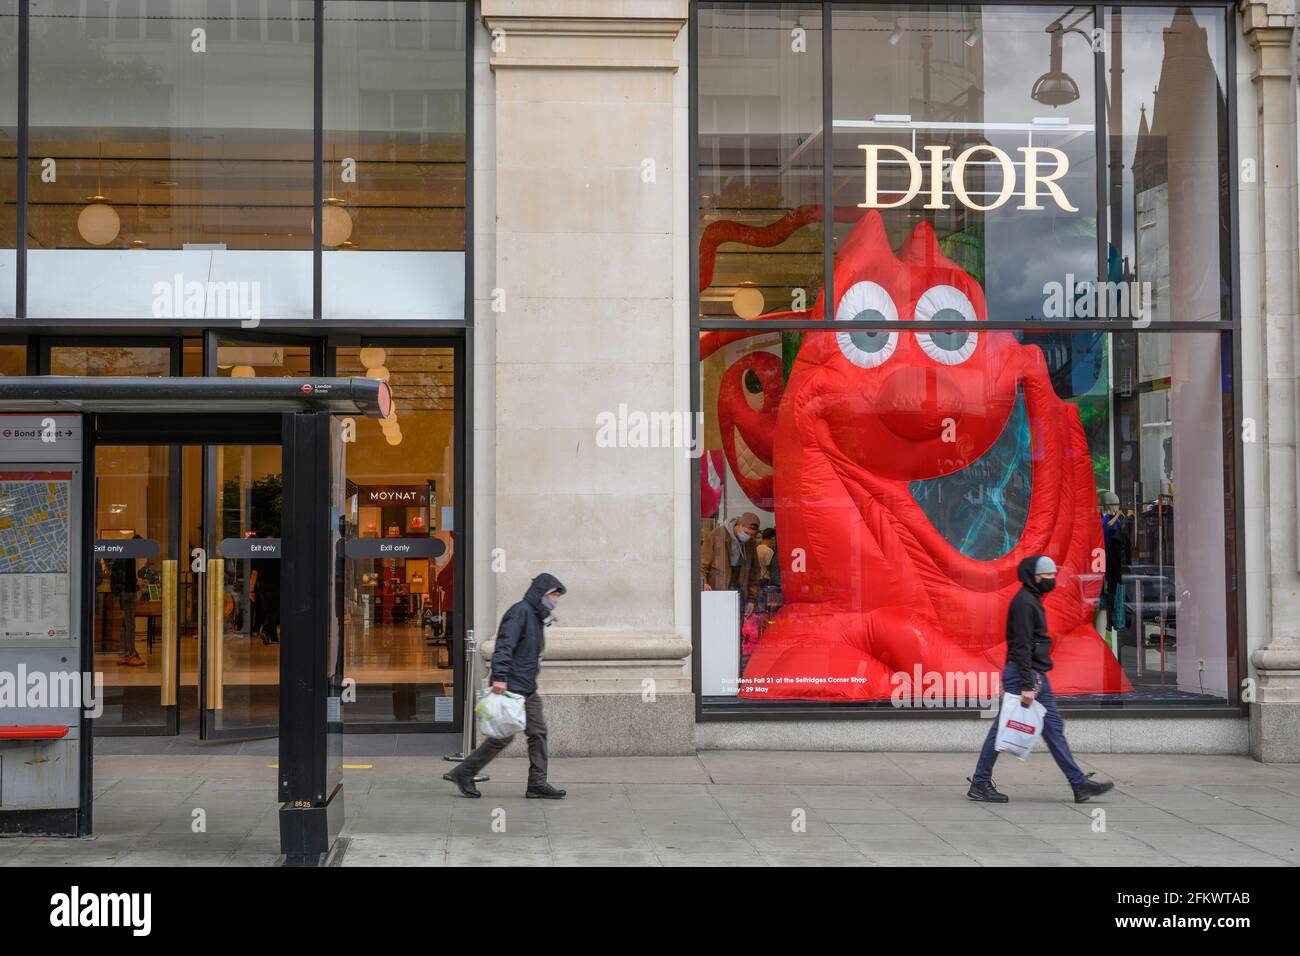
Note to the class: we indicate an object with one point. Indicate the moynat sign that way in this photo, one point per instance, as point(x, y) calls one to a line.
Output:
point(1042, 165)
point(414, 495)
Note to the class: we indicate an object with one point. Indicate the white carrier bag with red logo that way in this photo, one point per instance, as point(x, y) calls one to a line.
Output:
point(1019, 727)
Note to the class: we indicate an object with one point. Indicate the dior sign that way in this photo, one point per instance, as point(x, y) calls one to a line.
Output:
point(1038, 174)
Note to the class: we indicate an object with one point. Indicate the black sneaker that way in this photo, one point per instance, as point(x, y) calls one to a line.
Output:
point(985, 793)
point(1091, 788)
point(544, 791)
point(464, 783)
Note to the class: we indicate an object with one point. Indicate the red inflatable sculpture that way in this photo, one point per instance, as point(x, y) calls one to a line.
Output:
point(748, 401)
point(711, 482)
point(875, 596)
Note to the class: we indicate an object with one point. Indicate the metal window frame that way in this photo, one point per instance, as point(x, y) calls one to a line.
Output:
point(321, 334)
point(142, 325)
point(1228, 328)
point(462, 504)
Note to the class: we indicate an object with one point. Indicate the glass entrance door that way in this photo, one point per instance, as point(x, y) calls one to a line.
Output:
point(240, 675)
point(187, 588)
point(139, 611)
point(403, 622)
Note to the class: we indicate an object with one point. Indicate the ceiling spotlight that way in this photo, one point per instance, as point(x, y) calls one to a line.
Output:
point(973, 37)
point(896, 35)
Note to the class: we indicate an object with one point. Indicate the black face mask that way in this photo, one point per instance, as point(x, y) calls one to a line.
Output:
point(1046, 585)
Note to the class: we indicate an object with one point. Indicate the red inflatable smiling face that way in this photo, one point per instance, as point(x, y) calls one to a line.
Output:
point(748, 400)
point(907, 404)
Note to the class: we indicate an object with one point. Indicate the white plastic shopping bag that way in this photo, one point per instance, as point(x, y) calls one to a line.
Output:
point(500, 715)
point(1019, 726)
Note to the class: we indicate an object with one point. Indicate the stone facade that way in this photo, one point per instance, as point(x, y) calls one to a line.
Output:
point(582, 191)
point(1270, 333)
point(582, 303)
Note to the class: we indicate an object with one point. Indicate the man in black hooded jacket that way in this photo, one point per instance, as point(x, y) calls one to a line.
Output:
point(1029, 658)
point(515, 662)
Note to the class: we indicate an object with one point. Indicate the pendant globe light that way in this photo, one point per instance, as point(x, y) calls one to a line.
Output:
point(748, 301)
point(337, 222)
point(99, 222)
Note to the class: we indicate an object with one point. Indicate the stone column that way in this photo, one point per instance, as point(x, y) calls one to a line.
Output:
point(1273, 399)
point(583, 269)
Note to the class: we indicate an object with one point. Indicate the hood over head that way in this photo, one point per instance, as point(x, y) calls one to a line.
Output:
point(1025, 571)
point(544, 583)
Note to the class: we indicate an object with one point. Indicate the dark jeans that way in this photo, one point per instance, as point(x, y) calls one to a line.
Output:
point(1053, 733)
point(534, 730)
point(127, 600)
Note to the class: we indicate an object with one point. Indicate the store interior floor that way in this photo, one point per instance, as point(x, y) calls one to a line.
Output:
point(402, 675)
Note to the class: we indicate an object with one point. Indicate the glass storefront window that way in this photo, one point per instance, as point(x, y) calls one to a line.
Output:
point(761, 157)
point(170, 151)
point(867, 491)
point(13, 360)
point(170, 160)
point(894, 502)
point(1169, 222)
point(914, 100)
point(394, 161)
point(155, 360)
point(192, 357)
point(399, 613)
point(240, 359)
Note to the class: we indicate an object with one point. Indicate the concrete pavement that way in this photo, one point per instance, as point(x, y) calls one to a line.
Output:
point(718, 808)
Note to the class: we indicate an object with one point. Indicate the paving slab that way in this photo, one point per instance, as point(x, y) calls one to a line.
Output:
point(713, 809)
point(844, 769)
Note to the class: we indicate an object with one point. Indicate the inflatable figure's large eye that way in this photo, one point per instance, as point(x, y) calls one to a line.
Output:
point(945, 303)
point(867, 348)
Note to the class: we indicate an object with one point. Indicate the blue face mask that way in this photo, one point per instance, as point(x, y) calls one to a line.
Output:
point(549, 602)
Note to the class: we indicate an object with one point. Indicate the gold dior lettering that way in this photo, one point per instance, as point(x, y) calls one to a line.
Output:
point(1035, 176)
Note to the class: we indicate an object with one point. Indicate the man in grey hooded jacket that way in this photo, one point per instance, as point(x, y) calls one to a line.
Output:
point(516, 660)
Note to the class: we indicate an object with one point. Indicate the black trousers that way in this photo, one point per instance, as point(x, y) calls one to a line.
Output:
point(534, 730)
